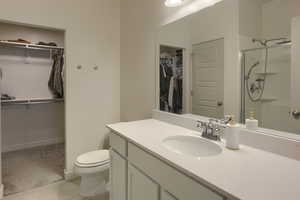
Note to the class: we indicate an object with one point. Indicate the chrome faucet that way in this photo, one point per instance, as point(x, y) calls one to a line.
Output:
point(213, 128)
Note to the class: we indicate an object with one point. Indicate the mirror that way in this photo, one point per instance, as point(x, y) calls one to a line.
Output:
point(235, 57)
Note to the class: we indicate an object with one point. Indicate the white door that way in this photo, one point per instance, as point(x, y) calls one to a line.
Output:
point(140, 187)
point(208, 79)
point(118, 172)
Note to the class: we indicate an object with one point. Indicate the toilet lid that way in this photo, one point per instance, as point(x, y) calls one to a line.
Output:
point(93, 158)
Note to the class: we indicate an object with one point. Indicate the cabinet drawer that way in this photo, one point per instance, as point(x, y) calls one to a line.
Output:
point(178, 184)
point(118, 143)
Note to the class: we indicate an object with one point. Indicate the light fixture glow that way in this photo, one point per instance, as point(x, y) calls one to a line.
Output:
point(173, 3)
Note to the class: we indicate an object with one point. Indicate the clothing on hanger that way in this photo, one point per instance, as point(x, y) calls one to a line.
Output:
point(55, 82)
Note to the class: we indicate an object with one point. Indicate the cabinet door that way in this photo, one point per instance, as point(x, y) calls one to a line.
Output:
point(118, 174)
point(167, 196)
point(140, 187)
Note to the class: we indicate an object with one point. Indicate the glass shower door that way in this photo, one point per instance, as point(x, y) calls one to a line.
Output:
point(267, 88)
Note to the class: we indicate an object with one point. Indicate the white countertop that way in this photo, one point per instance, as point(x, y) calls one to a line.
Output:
point(247, 174)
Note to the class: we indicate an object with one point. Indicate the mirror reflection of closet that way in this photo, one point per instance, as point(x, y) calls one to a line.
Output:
point(171, 79)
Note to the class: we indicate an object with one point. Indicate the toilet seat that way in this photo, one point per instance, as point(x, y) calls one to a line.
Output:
point(93, 159)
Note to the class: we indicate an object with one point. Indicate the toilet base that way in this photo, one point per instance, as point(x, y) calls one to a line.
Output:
point(92, 185)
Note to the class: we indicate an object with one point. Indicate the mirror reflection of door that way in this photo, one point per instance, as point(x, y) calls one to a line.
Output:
point(208, 79)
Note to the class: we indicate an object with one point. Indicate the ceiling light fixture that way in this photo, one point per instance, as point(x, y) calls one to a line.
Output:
point(173, 3)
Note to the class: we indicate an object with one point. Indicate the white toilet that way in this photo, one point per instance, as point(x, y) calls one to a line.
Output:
point(91, 167)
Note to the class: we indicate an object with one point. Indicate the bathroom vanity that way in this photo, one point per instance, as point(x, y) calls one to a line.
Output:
point(147, 164)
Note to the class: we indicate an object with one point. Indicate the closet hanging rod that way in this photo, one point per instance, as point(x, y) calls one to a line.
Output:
point(30, 46)
point(31, 101)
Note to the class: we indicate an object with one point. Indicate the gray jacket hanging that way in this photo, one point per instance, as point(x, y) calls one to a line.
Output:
point(55, 82)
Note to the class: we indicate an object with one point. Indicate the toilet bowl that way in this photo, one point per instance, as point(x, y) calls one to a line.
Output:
point(92, 167)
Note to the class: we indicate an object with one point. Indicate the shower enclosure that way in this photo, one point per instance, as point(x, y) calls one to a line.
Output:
point(266, 85)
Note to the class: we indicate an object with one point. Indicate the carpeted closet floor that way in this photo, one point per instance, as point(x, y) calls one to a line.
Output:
point(31, 168)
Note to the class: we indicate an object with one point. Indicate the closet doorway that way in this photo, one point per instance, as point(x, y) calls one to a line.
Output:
point(171, 79)
point(32, 106)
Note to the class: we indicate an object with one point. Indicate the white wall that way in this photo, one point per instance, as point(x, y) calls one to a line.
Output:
point(277, 15)
point(140, 21)
point(250, 22)
point(250, 18)
point(92, 38)
point(27, 78)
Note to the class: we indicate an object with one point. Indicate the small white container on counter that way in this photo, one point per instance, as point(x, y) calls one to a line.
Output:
point(252, 123)
point(232, 135)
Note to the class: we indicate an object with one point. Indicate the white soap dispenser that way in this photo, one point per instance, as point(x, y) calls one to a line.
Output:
point(252, 123)
point(232, 135)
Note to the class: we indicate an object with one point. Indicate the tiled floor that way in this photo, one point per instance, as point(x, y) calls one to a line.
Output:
point(62, 190)
point(31, 168)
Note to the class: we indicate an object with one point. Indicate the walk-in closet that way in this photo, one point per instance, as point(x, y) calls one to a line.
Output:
point(32, 106)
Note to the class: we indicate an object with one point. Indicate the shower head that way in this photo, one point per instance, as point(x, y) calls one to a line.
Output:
point(260, 41)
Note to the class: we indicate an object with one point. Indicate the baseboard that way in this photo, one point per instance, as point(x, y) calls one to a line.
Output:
point(32, 144)
point(1, 191)
point(69, 175)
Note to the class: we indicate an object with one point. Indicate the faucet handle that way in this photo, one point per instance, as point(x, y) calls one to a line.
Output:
point(202, 126)
point(228, 118)
point(225, 120)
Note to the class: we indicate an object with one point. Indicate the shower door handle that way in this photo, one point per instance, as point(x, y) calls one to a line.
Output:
point(296, 114)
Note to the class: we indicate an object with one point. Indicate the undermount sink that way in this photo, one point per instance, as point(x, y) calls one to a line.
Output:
point(191, 146)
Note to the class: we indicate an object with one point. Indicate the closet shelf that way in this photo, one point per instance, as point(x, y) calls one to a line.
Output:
point(31, 101)
point(30, 46)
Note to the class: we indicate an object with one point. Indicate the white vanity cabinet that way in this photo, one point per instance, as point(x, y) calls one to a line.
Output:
point(149, 178)
point(140, 186)
point(118, 177)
